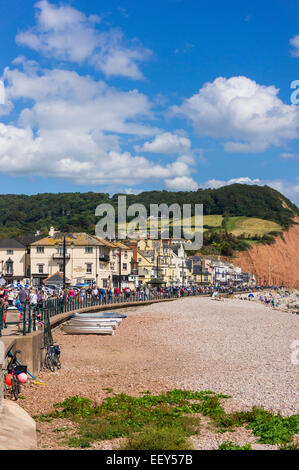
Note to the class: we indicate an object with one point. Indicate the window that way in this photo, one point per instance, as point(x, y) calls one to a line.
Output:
point(105, 283)
point(9, 267)
point(40, 268)
point(112, 266)
point(125, 266)
point(126, 254)
point(60, 250)
point(40, 249)
point(88, 249)
point(60, 267)
point(88, 268)
point(9, 252)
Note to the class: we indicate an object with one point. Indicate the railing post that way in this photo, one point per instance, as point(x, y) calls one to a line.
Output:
point(1, 320)
point(29, 319)
point(34, 319)
point(24, 319)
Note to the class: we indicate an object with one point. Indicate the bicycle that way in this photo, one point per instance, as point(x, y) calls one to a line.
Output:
point(15, 369)
point(52, 358)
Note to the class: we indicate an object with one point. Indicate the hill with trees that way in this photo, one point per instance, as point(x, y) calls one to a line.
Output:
point(230, 206)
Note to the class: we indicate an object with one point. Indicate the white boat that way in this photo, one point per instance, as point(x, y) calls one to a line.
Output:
point(111, 321)
point(87, 330)
point(94, 322)
point(99, 315)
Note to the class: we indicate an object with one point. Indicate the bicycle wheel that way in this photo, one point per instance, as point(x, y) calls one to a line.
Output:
point(49, 364)
point(15, 386)
point(57, 361)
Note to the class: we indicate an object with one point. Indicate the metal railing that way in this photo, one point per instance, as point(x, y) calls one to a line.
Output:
point(34, 315)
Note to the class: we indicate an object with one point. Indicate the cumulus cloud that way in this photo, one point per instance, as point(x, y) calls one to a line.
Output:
point(214, 184)
point(181, 183)
point(250, 117)
point(167, 143)
point(64, 99)
point(67, 34)
point(72, 126)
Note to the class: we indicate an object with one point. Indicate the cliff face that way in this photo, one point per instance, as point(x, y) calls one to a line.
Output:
point(276, 264)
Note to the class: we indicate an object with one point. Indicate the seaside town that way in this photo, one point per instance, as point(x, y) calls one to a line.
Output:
point(149, 230)
point(56, 290)
point(38, 263)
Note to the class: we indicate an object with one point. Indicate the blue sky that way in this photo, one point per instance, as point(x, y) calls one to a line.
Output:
point(129, 96)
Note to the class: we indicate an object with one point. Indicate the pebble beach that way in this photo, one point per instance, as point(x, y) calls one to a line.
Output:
point(236, 347)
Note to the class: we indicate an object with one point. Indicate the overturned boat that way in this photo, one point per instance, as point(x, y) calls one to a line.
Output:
point(99, 315)
point(95, 322)
point(72, 329)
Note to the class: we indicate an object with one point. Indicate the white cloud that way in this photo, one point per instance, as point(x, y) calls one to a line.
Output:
point(65, 33)
point(167, 143)
point(72, 126)
point(113, 58)
point(287, 155)
point(249, 116)
point(64, 99)
point(181, 183)
point(214, 184)
point(295, 46)
point(78, 156)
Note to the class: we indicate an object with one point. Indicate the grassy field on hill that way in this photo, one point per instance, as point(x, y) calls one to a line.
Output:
point(248, 226)
point(251, 226)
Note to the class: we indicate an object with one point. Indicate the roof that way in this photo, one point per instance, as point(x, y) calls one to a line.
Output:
point(10, 243)
point(54, 278)
point(78, 239)
point(105, 242)
point(28, 239)
point(122, 246)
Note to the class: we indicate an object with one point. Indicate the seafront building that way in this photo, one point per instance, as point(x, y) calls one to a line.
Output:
point(86, 259)
point(91, 260)
point(14, 260)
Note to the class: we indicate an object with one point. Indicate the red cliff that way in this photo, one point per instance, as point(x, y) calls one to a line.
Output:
point(276, 264)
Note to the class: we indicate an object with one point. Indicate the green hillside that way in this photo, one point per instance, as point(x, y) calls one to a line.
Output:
point(234, 216)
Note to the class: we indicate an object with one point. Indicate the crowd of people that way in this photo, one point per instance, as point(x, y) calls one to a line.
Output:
point(21, 296)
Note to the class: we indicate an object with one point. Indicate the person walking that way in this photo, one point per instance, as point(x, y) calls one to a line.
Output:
point(109, 292)
point(23, 297)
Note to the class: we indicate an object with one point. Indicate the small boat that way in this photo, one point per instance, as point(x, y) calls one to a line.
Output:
point(97, 320)
point(99, 315)
point(94, 322)
point(87, 330)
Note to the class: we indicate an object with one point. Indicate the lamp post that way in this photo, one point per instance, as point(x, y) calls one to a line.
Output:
point(64, 263)
point(119, 270)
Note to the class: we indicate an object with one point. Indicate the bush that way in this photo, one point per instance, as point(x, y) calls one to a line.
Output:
point(155, 438)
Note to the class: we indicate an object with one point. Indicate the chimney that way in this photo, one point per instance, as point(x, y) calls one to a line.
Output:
point(51, 232)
